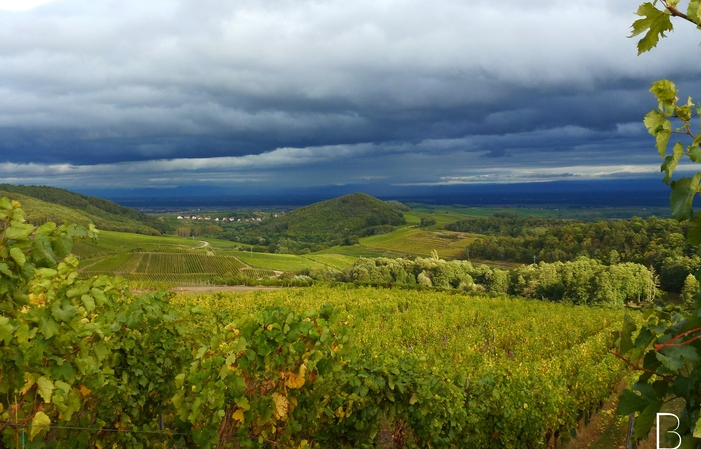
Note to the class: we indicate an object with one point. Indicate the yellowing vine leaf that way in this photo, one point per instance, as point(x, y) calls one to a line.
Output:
point(39, 423)
point(281, 405)
point(296, 381)
point(238, 415)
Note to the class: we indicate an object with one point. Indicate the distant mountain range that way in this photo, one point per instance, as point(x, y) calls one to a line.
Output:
point(650, 192)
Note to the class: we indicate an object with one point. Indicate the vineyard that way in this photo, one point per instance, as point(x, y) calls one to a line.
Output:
point(175, 266)
point(86, 364)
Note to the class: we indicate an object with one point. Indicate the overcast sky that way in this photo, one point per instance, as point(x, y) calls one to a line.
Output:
point(102, 93)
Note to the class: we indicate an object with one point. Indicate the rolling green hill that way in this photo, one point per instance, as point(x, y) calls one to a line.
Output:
point(355, 214)
point(43, 203)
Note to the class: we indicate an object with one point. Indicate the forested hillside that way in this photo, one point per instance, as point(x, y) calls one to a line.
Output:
point(332, 222)
point(103, 213)
point(653, 242)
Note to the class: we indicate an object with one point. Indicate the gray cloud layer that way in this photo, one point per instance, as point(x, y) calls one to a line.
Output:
point(311, 92)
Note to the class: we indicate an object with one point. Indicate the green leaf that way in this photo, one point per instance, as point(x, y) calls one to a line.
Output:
point(5, 330)
point(655, 22)
point(88, 302)
point(630, 402)
point(695, 153)
point(62, 246)
point(653, 120)
point(693, 11)
point(662, 138)
point(645, 421)
point(39, 422)
point(243, 403)
point(675, 357)
point(18, 256)
point(46, 229)
point(697, 429)
point(694, 234)
point(682, 196)
point(670, 162)
point(4, 269)
point(18, 231)
point(42, 253)
point(626, 343)
point(46, 388)
point(665, 91)
point(48, 327)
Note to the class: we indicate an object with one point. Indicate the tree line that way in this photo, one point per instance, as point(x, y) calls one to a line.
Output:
point(656, 243)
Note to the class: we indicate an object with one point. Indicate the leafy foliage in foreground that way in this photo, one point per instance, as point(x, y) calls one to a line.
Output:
point(83, 363)
point(666, 348)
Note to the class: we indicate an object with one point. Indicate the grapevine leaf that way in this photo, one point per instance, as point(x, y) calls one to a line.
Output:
point(665, 91)
point(42, 253)
point(5, 330)
point(48, 327)
point(694, 11)
point(655, 22)
point(682, 386)
point(644, 422)
point(19, 256)
point(62, 246)
point(695, 153)
point(45, 229)
point(46, 388)
point(39, 423)
point(4, 269)
point(653, 120)
point(626, 343)
point(630, 402)
point(18, 231)
point(88, 302)
point(682, 197)
point(697, 429)
point(242, 402)
point(662, 137)
point(675, 357)
point(670, 162)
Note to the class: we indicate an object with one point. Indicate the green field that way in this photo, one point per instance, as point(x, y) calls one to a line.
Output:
point(579, 213)
point(337, 261)
point(279, 262)
point(412, 241)
point(110, 242)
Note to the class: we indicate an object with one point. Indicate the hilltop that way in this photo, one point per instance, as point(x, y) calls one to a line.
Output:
point(43, 203)
point(337, 219)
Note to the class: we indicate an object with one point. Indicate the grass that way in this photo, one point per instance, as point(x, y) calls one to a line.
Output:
point(280, 262)
point(110, 242)
point(412, 241)
point(360, 251)
point(338, 261)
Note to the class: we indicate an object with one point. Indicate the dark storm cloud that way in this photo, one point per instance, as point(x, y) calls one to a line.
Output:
point(313, 92)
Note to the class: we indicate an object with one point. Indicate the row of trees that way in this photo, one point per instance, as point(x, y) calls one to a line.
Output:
point(582, 281)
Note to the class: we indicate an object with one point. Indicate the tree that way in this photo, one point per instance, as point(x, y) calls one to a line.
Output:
point(667, 347)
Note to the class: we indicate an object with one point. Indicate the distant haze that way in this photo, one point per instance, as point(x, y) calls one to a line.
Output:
point(266, 95)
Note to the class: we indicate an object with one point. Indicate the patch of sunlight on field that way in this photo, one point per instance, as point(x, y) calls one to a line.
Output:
point(280, 262)
point(418, 242)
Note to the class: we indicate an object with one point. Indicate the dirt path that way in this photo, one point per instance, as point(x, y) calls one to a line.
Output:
point(219, 288)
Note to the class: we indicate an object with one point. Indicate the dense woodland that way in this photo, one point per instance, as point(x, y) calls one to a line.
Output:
point(655, 243)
